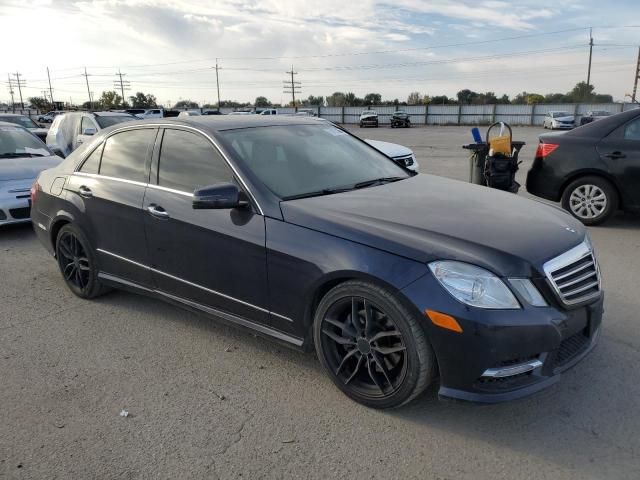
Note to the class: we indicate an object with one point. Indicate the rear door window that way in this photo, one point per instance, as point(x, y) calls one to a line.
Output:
point(125, 154)
point(92, 163)
point(632, 130)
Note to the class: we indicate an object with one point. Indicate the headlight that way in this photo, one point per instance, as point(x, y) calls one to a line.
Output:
point(528, 291)
point(473, 285)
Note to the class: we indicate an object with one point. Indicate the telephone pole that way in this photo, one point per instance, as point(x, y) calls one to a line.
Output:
point(635, 82)
point(590, 53)
point(20, 83)
point(50, 90)
point(86, 77)
point(124, 84)
point(13, 103)
point(291, 86)
point(218, 83)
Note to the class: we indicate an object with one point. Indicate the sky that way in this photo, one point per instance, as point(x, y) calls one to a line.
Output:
point(391, 47)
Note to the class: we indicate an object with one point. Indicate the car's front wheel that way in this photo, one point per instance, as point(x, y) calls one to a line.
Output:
point(372, 346)
point(592, 200)
point(77, 263)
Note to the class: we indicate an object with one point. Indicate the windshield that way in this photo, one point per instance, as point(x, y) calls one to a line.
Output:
point(369, 112)
point(601, 113)
point(26, 122)
point(16, 142)
point(107, 121)
point(561, 114)
point(309, 160)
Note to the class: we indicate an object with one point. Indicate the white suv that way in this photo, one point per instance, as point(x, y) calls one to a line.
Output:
point(70, 130)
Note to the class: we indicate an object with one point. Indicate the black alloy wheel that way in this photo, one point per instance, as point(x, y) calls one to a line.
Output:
point(373, 348)
point(77, 263)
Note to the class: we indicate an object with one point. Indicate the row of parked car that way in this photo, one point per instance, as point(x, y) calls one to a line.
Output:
point(592, 171)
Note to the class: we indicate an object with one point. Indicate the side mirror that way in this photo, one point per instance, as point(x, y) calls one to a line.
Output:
point(89, 131)
point(219, 196)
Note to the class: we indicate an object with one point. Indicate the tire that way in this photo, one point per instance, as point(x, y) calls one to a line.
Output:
point(381, 361)
point(590, 199)
point(78, 263)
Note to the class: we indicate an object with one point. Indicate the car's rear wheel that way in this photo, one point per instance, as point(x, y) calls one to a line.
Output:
point(592, 200)
point(372, 346)
point(77, 263)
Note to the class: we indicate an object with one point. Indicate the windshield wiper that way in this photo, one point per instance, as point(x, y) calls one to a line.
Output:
point(377, 181)
point(19, 155)
point(317, 193)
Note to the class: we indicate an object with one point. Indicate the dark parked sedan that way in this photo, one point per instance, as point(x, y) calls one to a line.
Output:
point(303, 233)
point(593, 170)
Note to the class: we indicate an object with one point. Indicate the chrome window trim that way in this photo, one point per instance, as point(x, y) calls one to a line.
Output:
point(180, 127)
point(215, 292)
point(171, 190)
point(105, 177)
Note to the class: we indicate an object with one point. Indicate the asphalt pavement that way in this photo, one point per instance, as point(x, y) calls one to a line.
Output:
point(208, 401)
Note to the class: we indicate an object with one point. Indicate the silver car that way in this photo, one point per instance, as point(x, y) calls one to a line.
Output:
point(22, 157)
point(25, 122)
point(559, 120)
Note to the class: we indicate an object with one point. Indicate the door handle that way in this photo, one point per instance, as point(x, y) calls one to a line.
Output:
point(157, 211)
point(85, 192)
point(615, 155)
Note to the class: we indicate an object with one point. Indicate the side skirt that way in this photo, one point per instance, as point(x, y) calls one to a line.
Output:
point(226, 317)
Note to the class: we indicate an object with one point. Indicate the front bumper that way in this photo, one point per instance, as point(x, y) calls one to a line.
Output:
point(15, 203)
point(551, 338)
point(563, 126)
point(369, 121)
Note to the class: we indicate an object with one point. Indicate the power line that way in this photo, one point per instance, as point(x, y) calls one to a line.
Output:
point(86, 77)
point(292, 87)
point(19, 82)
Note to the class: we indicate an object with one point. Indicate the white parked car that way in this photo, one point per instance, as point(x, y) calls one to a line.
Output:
point(240, 113)
point(189, 113)
point(152, 113)
point(399, 153)
point(25, 122)
point(559, 119)
point(49, 116)
point(70, 130)
point(22, 157)
point(269, 111)
point(369, 118)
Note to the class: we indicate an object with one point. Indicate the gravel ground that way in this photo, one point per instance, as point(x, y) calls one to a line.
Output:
point(209, 401)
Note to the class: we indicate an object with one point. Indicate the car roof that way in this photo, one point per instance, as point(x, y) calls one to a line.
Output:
point(605, 126)
point(9, 124)
point(111, 114)
point(12, 115)
point(214, 123)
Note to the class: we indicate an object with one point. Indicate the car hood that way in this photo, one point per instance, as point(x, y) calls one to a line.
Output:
point(389, 149)
point(369, 115)
point(427, 218)
point(26, 167)
point(565, 119)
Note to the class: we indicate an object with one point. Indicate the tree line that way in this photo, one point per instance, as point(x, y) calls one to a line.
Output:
point(581, 92)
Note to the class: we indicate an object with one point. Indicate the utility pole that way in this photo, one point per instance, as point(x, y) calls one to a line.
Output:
point(218, 84)
point(86, 77)
point(590, 53)
point(50, 90)
point(635, 82)
point(124, 84)
point(20, 84)
point(13, 103)
point(291, 86)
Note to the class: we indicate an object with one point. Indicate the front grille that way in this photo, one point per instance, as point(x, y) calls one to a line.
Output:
point(20, 213)
point(406, 160)
point(3, 216)
point(574, 275)
point(570, 348)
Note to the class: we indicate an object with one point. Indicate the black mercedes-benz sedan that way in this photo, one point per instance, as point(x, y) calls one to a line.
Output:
point(304, 233)
point(594, 170)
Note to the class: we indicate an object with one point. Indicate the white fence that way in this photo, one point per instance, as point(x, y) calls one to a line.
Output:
point(462, 114)
point(448, 114)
